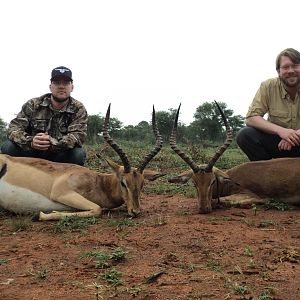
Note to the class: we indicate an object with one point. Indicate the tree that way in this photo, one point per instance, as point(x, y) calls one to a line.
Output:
point(140, 132)
point(208, 123)
point(95, 126)
point(3, 127)
point(165, 122)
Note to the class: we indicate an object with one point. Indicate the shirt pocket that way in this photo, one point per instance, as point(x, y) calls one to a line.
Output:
point(40, 125)
point(63, 126)
point(279, 117)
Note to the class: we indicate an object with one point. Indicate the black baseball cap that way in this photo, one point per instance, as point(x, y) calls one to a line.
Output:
point(61, 71)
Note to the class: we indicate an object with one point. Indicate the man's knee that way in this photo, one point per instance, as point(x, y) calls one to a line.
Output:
point(10, 148)
point(242, 135)
point(78, 156)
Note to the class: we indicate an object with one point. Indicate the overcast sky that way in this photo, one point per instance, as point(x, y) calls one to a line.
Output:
point(135, 53)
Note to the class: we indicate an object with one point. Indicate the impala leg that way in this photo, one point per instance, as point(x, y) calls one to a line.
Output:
point(85, 207)
point(242, 200)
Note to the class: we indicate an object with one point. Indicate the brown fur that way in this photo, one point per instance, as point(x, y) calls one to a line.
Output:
point(248, 183)
point(78, 188)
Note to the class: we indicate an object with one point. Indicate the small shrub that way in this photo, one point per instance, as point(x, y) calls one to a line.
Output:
point(248, 251)
point(3, 262)
point(103, 259)
point(112, 277)
point(240, 289)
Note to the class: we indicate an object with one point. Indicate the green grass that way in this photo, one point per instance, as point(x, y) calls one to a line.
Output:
point(3, 262)
point(240, 289)
point(220, 218)
point(248, 251)
point(20, 223)
point(126, 222)
point(112, 277)
point(74, 224)
point(266, 223)
point(40, 274)
point(278, 205)
point(104, 259)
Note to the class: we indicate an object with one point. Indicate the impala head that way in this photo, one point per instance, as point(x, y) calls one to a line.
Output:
point(131, 180)
point(203, 176)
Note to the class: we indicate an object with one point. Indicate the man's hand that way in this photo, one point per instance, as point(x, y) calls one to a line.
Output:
point(41, 141)
point(284, 145)
point(291, 136)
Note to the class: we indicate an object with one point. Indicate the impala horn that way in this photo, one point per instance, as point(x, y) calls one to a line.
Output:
point(173, 145)
point(113, 144)
point(158, 145)
point(226, 144)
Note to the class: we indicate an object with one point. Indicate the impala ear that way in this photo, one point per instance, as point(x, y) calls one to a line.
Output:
point(115, 167)
point(182, 178)
point(152, 175)
point(221, 175)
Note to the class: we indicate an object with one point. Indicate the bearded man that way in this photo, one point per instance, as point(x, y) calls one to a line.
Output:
point(279, 98)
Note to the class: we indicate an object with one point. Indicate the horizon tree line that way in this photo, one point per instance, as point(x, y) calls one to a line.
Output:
point(207, 126)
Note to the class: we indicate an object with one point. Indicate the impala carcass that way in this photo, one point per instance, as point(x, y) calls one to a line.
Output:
point(258, 182)
point(255, 182)
point(204, 176)
point(55, 190)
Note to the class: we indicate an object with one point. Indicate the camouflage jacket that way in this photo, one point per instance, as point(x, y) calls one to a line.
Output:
point(67, 127)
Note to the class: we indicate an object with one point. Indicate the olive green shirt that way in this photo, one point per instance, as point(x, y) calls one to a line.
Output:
point(272, 99)
point(67, 127)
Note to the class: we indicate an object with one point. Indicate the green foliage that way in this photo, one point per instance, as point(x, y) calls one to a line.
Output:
point(277, 204)
point(20, 223)
point(95, 126)
point(240, 289)
point(165, 122)
point(134, 291)
point(214, 265)
point(121, 222)
point(207, 126)
point(267, 293)
point(220, 218)
point(266, 223)
point(40, 274)
point(74, 224)
point(112, 277)
point(248, 251)
point(103, 259)
point(3, 262)
point(3, 127)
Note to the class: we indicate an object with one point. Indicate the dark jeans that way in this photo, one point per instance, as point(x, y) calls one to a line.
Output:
point(74, 156)
point(258, 145)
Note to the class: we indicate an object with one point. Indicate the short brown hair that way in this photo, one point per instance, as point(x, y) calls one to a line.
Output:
point(293, 54)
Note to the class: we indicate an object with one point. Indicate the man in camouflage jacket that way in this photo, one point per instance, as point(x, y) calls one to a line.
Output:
point(52, 126)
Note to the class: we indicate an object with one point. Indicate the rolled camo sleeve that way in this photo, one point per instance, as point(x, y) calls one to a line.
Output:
point(17, 127)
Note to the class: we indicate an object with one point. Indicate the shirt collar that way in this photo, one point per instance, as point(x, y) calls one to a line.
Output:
point(69, 108)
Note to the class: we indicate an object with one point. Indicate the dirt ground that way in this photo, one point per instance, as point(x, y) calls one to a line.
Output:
point(170, 252)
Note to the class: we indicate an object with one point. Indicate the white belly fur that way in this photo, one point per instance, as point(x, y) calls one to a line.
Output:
point(21, 200)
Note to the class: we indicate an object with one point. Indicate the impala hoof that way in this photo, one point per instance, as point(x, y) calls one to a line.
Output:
point(205, 210)
point(133, 214)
